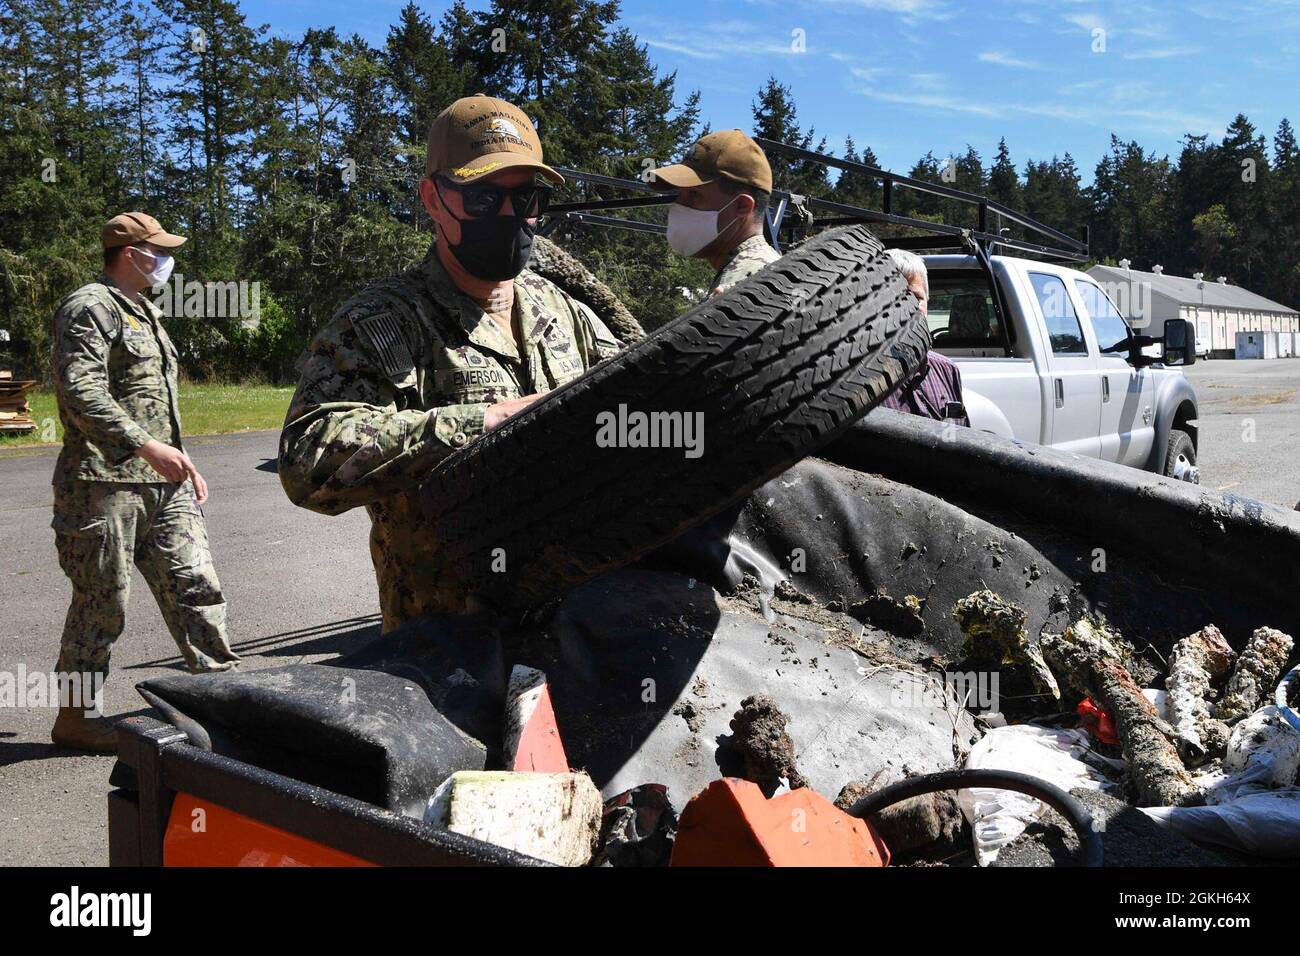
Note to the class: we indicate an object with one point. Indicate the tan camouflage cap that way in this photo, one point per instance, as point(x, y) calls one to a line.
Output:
point(481, 134)
point(132, 227)
point(728, 153)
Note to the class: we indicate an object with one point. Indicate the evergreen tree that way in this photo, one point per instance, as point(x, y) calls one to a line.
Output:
point(857, 189)
point(1285, 153)
point(142, 59)
point(922, 205)
point(215, 68)
point(1004, 181)
point(1051, 194)
point(59, 150)
point(625, 118)
point(1283, 265)
point(775, 118)
point(426, 79)
point(1248, 188)
point(1132, 205)
point(530, 49)
point(293, 160)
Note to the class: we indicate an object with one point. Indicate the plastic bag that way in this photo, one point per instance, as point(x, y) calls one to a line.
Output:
point(1265, 823)
point(1053, 754)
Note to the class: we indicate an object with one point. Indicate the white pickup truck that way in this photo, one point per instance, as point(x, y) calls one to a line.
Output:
point(1066, 370)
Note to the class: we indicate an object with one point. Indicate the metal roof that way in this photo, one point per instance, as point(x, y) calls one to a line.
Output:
point(1186, 291)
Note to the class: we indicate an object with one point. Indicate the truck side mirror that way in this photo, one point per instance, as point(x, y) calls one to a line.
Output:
point(1179, 342)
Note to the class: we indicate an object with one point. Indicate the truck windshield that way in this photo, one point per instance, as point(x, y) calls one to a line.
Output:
point(961, 313)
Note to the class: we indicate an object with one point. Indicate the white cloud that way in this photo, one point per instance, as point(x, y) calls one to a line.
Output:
point(997, 58)
point(910, 12)
point(934, 101)
point(682, 49)
point(1121, 110)
point(912, 7)
point(1163, 53)
point(928, 80)
point(867, 72)
point(727, 38)
point(1086, 21)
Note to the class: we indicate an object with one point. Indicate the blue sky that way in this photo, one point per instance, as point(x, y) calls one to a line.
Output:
point(910, 76)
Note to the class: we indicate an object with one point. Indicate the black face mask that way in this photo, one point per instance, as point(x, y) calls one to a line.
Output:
point(495, 248)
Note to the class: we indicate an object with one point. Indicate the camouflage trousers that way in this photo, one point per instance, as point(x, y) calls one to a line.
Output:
point(101, 530)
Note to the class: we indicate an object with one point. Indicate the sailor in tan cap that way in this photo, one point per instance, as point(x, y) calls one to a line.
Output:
point(416, 367)
point(722, 185)
point(126, 495)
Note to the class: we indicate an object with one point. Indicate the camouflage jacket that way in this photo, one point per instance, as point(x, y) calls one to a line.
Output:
point(398, 380)
point(746, 259)
point(115, 379)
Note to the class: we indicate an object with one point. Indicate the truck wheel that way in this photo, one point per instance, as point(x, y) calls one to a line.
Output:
point(675, 428)
point(1180, 460)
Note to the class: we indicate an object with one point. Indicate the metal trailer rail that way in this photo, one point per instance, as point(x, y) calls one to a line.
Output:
point(1054, 245)
point(156, 762)
point(979, 242)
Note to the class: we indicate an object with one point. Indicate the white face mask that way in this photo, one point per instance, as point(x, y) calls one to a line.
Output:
point(690, 230)
point(162, 269)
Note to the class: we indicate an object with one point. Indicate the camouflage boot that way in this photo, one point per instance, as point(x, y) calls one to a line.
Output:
point(74, 730)
point(197, 662)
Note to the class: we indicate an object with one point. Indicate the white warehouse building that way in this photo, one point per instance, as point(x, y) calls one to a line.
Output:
point(1218, 310)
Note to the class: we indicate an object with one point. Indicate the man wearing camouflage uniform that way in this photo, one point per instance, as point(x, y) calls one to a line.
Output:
point(722, 187)
point(416, 367)
point(125, 492)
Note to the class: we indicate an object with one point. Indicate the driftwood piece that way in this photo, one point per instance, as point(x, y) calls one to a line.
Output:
point(1197, 661)
point(1256, 674)
point(1087, 658)
point(551, 262)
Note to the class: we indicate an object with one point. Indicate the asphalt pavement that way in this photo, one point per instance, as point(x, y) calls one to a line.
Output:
point(299, 587)
point(1250, 427)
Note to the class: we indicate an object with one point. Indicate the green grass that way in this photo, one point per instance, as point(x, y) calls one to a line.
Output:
point(205, 410)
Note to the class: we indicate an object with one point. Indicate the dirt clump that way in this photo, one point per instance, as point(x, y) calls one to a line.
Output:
point(995, 635)
point(898, 617)
point(760, 739)
point(927, 826)
point(689, 713)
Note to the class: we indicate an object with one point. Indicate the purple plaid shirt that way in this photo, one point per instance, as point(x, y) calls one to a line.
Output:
point(929, 391)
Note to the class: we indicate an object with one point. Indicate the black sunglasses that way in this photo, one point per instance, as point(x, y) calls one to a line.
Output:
point(483, 199)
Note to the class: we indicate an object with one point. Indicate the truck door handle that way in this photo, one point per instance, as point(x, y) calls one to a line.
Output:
point(1060, 393)
point(1105, 388)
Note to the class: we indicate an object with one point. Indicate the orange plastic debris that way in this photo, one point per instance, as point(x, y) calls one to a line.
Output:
point(533, 740)
point(1097, 721)
point(731, 823)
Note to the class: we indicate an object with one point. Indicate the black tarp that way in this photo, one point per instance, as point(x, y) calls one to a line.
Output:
point(802, 594)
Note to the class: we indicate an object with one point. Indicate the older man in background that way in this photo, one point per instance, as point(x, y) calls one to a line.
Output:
point(934, 390)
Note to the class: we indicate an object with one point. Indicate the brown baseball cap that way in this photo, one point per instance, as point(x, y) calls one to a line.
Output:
point(132, 227)
point(481, 134)
point(728, 153)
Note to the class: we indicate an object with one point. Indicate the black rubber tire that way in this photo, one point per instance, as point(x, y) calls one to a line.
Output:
point(1180, 443)
point(778, 365)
